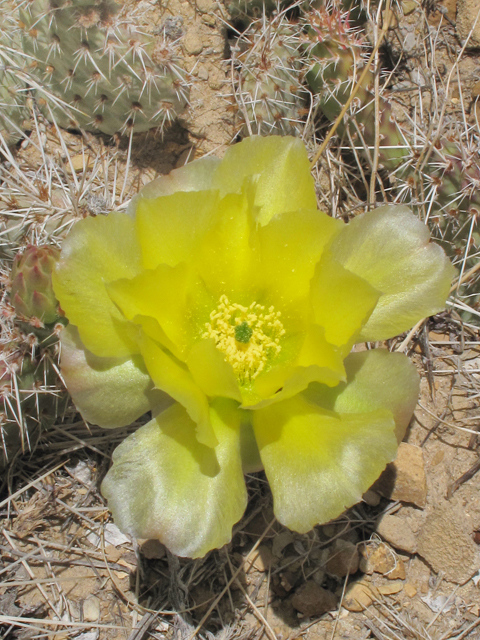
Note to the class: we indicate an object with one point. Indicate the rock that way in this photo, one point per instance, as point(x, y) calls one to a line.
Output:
point(153, 549)
point(192, 42)
point(343, 559)
point(91, 609)
point(447, 546)
point(357, 597)
point(209, 20)
point(391, 589)
point(467, 11)
point(312, 600)
point(396, 531)
point(319, 577)
point(288, 580)
point(409, 590)
point(398, 571)
point(408, 6)
point(404, 478)
point(381, 559)
point(205, 6)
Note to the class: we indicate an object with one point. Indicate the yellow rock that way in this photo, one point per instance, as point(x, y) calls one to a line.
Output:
point(390, 589)
point(409, 6)
point(358, 597)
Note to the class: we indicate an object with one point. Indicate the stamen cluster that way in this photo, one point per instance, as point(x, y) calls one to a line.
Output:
point(259, 329)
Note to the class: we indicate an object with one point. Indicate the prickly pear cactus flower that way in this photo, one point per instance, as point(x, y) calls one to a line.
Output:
point(226, 304)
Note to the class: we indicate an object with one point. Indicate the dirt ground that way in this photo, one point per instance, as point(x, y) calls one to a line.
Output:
point(403, 564)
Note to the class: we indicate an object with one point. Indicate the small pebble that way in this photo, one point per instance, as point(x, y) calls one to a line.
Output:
point(153, 549)
point(343, 559)
point(91, 609)
point(358, 597)
point(311, 600)
point(390, 589)
point(404, 479)
point(397, 532)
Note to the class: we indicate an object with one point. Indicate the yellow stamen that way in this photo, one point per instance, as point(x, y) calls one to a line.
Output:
point(247, 336)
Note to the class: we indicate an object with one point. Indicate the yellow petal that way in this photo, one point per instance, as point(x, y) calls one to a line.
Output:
point(317, 361)
point(319, 463)
point(170, 228)
point(342, 302)
point(110, 392)
point(390, 248)
point(95, 252)
point(376, 379)
point(211, 372)
point(194, 176)
point(227, 257)
point(284, 181)
point(172, 378)
point(291, 245)
point(167, 486)
point(173, 296)
point(251, 461)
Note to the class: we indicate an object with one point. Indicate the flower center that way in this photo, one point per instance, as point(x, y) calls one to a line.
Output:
point(247, 336)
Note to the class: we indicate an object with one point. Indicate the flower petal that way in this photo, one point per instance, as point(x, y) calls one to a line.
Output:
point(291, 245)
point(169, 295)
point(172, 378)
point(389, 247)
point(317, 361)
point(165, 485)
point(342, 302)
point(213, 374)
point(376, 379)
point(319, 463)
point(227, 259)
point(251, 461)
point(284, 180)
point(170, 227)
point(98, 250)
point(110, 392)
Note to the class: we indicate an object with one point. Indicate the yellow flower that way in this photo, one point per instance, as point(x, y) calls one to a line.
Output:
point(224, 302)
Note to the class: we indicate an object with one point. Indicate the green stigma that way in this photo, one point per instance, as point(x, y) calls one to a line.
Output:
point(243, 333)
